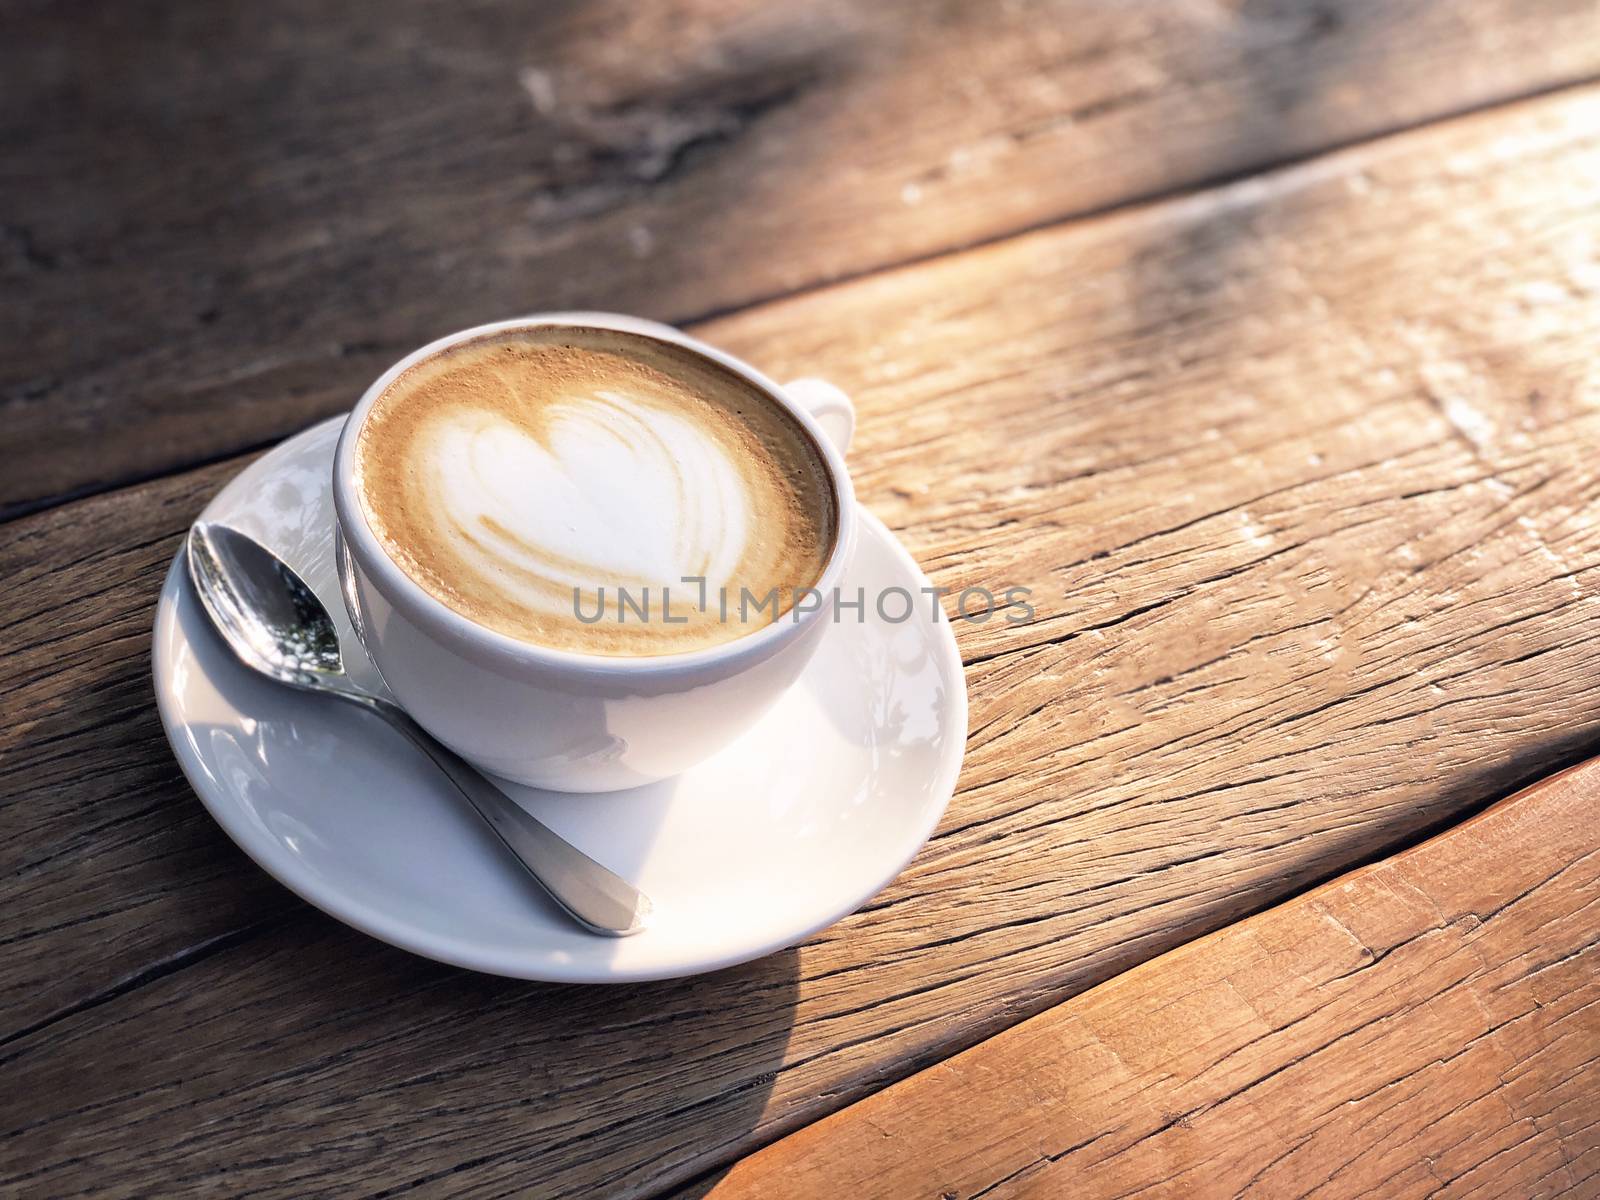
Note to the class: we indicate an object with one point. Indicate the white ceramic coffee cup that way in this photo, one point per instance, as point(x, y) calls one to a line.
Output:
point(562, 720)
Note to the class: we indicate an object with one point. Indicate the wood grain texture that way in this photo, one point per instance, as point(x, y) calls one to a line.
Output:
point(1302, 469)
point(223, 221)
point(1428, 1026)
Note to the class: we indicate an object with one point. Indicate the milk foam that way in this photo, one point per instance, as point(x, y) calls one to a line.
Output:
point(617, 493)
point(516, 479)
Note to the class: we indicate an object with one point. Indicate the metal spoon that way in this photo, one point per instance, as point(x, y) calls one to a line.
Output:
point(276, 625)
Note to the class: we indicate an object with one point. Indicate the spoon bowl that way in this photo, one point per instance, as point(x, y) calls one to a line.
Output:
point(264, 611)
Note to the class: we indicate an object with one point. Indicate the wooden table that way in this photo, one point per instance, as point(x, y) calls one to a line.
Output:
point(1259, 339)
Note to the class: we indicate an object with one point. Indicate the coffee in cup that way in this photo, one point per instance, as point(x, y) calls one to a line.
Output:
point(596, 491)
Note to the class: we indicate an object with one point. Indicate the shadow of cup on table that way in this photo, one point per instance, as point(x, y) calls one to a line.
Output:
point(548, 1089)
point(586, 1089)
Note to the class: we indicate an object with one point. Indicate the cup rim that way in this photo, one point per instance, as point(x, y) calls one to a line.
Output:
point(491, 646)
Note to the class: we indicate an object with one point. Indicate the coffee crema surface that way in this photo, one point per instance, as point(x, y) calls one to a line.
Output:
point(524, 478)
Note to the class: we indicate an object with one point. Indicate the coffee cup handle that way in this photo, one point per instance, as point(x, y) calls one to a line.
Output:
point(831, 408)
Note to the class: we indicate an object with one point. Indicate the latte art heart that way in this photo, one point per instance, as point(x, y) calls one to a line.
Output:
point(619, 495)
point(527, 480)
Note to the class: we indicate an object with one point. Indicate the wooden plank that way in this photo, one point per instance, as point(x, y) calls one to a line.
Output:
point(1428, 1026)
point(1301, 469)
point(222, 224)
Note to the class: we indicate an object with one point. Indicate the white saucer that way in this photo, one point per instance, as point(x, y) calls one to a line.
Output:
point(798, 824)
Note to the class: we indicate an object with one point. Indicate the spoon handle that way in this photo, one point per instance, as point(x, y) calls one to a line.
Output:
point(593, 896)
